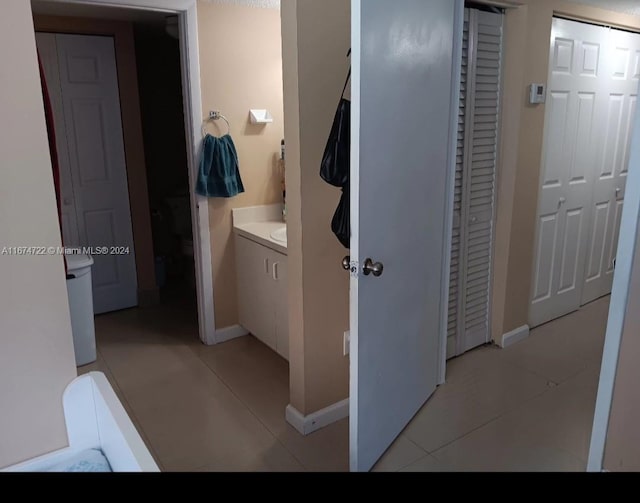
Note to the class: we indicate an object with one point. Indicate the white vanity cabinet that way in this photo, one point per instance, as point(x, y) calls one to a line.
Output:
point(262, 293)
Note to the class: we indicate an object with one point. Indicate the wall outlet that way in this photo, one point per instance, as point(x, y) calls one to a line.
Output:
point(346, 343)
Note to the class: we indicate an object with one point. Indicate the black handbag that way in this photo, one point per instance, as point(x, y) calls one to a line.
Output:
point(336, 166)
point(336, 161)
point(341, 223)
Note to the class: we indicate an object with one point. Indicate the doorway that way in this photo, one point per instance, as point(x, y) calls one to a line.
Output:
point(591, 105)
point(165, 150)
point(144, 227)
point(183, 24)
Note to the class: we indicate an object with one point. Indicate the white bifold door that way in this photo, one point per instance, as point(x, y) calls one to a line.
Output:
point(591, 102)
point(406, 73)
point(475, 185)
point(82, 81)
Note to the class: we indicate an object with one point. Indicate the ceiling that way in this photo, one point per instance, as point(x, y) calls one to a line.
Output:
point(58, 8)
point(625, 6)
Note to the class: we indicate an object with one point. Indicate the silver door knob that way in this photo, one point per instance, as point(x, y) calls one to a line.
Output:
point(562, 201)
point(370, 267)
point(346, 263)
point(618, 190)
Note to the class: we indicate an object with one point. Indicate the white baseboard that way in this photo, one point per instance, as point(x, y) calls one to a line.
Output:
point(515, 336)
point(230, 333)
point(313, 422)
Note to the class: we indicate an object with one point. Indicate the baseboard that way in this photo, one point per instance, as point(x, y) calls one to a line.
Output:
point(515, 336)
point(230, 333)
point(313, 422)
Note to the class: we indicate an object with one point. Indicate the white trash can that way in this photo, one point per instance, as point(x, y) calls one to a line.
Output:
point(81, 307)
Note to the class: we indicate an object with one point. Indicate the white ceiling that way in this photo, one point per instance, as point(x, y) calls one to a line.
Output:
point(48, 8)
point(625, 6)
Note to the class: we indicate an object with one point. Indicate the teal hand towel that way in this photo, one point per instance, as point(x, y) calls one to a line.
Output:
point(219, 174)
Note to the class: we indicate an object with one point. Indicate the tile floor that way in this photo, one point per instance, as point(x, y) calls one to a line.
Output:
point(204, 408)
point(528, 407)
point(525, 408)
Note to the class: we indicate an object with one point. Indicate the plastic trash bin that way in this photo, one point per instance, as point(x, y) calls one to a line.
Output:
point(81, 307)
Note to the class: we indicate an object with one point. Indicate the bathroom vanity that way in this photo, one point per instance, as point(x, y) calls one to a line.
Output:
point(261, 267)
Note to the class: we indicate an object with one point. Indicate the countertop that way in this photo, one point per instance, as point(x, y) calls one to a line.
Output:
point(260, 232)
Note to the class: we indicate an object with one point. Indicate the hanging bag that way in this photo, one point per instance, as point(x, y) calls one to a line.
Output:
point(336, 166)
point(336, 161)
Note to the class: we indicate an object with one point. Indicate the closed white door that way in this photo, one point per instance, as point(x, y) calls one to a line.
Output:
point(621, 71)
point(48, 52)
point(475, 187)
point(94, 180)
point(406, 68)
point(583, 148)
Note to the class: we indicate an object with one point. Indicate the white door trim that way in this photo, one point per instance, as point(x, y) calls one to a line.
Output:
point(190, 63)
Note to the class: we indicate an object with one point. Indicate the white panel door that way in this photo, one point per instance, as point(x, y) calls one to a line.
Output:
point(574, 115)
point(406, 68)
point(620, 73)
point(91, 101)
point(48, 52)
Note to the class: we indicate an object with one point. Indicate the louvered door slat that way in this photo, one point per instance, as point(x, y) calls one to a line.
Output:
point(454, 291)
point(475, 182)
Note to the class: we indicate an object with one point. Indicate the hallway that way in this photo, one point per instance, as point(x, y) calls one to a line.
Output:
point(527, 407)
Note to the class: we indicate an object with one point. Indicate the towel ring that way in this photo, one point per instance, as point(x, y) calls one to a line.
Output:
point(215, 116)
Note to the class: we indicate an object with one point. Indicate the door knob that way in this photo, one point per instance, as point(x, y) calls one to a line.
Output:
point(370, 267)
point(562, 201)
point(618, 190)
point(346, 263)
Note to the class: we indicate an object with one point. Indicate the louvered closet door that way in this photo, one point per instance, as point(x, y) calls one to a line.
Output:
point(473, 230)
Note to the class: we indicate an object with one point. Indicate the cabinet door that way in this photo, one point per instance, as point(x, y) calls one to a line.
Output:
point(255, 290)
point(281, 299)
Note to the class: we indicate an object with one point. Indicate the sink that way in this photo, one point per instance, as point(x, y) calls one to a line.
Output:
point(280, 235)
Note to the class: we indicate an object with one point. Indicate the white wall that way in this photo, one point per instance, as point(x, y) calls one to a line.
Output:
point(36, 351)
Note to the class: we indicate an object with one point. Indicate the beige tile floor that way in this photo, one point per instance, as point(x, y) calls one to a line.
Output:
point(207, 408)
point(525, 408)
point(528, 407)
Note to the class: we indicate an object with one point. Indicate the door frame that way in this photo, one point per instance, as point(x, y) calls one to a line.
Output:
point(192, 98)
